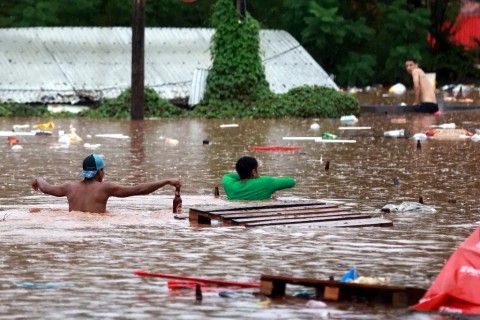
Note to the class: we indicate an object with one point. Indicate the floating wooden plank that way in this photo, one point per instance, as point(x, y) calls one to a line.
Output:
point(284, 220)
point(300, 213)
point(354, 223)
point(233, 210)
point(331, 290)
point(204, 214)
point(274, 212)
point(259, 205)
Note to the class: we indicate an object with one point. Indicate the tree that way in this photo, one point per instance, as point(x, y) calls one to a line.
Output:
point(237, 72)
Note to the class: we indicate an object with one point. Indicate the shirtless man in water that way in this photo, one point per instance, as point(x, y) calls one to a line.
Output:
point(425, 100)
point(91, 195)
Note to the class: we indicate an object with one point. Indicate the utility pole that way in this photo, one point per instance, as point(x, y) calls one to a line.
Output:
point(137, 111)
point(241, 6)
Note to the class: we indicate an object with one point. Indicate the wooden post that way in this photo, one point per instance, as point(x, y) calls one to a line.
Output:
point(138, 60)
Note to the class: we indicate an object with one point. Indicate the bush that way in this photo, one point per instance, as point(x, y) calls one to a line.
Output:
point(306, 101)
point(23, 110)
point(119, 108)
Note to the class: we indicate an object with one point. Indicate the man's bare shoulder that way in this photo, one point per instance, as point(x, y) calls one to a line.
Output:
point(418, 72)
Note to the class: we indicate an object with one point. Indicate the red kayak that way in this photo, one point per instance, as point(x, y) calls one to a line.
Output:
point(253, 284)
point(274, 148)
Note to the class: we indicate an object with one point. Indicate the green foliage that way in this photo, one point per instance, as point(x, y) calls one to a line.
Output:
point(237, 73)
point(23, 110)
point(316, 101)
point(410, 30)
point(341, 44)
point(119, 108)
point(306, 101)
point(159, 13)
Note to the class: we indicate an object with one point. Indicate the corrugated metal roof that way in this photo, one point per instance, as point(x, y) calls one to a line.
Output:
point(69, 64)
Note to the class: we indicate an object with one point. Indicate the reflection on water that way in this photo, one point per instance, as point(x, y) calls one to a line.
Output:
point(43, 243)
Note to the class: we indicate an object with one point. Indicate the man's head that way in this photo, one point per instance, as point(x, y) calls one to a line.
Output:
point(91, 166)
point(246, 167)
point(410, 64)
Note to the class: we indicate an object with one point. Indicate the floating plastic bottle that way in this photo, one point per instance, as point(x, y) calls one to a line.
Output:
point(328, 135)
point(394, 133)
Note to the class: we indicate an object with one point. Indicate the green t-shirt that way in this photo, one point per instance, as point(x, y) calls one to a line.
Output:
point(260, 188)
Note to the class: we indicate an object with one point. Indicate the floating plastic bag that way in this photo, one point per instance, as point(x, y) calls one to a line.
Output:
point(398, 89)
point(408, 206)
point(350, 275)
point(349, 118)
point(419, 136)
point(372, 280)
point(48, 125)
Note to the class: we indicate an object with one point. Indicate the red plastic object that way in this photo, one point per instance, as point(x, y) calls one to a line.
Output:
point(184, 285)
point(456, 288)
point(274, 148)
point(253, 284)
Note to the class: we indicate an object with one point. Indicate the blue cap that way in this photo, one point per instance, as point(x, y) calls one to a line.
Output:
point(91, 165)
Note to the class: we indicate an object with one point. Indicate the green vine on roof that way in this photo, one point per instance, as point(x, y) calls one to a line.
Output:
point(237, 74)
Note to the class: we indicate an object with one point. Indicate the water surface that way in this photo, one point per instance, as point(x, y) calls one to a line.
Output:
point(91, 257)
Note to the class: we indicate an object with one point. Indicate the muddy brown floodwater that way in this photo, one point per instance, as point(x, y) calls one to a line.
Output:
point(85, 261)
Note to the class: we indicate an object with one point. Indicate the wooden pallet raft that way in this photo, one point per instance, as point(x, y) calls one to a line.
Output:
point(331, 290)
point(311, 213)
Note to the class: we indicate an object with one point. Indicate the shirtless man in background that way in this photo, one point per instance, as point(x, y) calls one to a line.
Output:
point(91, 195)
point(425, 100)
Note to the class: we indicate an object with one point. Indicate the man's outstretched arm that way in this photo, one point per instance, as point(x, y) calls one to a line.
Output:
point(120, 191)
point(45, 187)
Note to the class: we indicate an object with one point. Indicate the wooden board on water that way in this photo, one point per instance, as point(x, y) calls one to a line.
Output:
point(301, 213)
point(331, 290)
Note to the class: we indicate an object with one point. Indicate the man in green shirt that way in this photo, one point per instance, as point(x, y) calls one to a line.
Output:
point(246, 183)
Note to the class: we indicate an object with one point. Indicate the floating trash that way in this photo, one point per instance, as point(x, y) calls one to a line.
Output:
point(17, 147)
point(351, 275)
point(315, 304)
point(29, 285)
point(314, 126)
point(408, 206)
point(231, 125)
point(372, 280)
point(349, 118)
point(91, 146)
point(13, 140)
point(444, 126)
point(328, 135)
point(48, 125)
point(394, 133)
point(475, 137)
point(20, 127)
point(171, 142)
point(398, 89)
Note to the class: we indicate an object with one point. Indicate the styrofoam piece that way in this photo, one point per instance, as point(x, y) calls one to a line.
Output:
point(13, 133)
point(229, 125)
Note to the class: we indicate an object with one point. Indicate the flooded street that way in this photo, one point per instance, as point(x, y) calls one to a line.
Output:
point(90, 258)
